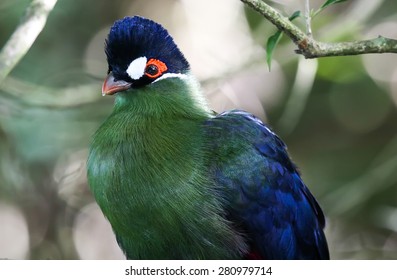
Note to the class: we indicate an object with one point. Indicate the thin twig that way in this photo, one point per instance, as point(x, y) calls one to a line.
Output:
point(308, 19)
point(311, 48)
point(24, 36)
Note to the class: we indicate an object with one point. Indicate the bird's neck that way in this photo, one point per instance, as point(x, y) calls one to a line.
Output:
point(176, 97)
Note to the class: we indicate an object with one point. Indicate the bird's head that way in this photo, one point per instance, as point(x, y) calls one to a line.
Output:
point(140, 52)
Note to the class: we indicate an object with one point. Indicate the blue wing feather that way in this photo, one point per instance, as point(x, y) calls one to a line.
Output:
point(265, 195)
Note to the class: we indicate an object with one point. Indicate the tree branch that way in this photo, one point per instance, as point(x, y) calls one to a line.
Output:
point(24, 36)
point(42, 96)
point(311, 48)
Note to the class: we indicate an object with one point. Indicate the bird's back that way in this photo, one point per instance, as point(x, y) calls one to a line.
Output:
point(267, 199)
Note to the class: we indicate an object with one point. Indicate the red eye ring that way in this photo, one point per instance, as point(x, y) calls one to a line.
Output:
point(155, 68)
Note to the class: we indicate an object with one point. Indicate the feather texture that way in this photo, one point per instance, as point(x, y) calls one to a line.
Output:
point(175, 181)
point(146, 171)
point(266, 196)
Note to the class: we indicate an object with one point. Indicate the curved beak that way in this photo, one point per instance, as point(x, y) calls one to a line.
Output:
point(110, 86)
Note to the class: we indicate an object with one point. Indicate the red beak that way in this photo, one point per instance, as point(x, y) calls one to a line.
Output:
point(111, 86)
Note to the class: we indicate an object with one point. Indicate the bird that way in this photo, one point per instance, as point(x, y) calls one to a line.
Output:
point(177, 180)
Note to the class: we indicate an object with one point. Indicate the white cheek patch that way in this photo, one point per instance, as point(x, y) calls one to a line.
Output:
point(136, 69)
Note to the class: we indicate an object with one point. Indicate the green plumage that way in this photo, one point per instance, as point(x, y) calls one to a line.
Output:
point(148, 169)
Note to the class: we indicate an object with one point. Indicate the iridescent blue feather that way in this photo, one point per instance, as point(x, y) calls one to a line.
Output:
point(266, 197)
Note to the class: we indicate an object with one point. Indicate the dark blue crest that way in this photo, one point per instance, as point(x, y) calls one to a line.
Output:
point(134, 37)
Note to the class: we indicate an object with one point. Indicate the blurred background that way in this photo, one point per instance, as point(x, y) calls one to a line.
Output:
point(337, 116)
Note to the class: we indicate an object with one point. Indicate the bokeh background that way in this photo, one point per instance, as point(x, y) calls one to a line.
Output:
point(337, 116)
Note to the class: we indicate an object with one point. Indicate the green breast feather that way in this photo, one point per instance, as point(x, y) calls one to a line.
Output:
point(147, 171)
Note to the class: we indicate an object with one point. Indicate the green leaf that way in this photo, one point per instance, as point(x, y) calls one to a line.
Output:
point(271, 45)
point(273, 40)
point(296, 14)
point(326, 4)
point(330, 2)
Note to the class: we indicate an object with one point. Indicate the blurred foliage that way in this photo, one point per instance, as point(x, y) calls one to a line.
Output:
point(343, 135)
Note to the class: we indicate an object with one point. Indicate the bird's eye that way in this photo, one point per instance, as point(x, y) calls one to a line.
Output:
point(155, 68)
point(152, 70)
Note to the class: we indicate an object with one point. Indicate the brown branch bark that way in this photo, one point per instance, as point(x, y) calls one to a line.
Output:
point(311, 48)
